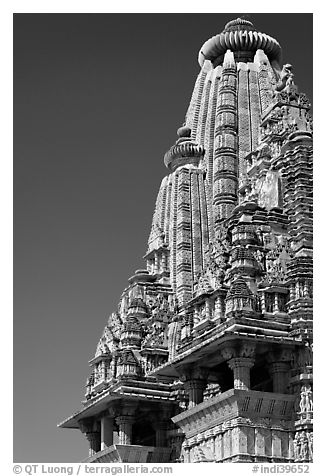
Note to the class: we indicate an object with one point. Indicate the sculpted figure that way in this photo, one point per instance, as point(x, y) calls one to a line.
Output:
point(305, 356)
point(286, 77)
point(306, 403)
point(297, 447)
point(304, 448)
point(302, 442)
point(260, 258)
point(310, 445)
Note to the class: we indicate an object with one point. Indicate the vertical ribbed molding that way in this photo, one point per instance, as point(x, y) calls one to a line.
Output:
point(167, 212)
point(192, 230)
point(192, 116)
point(204, 216)
point(255, 108)
point(244, 119)
point(188, 229)
point(184, 238)
point(158, 222)
point(198, 214)
point(249, 111)
point(225, 165)
point(173, 229)
point(203, 110)
point(209, 147)
point(266, 79)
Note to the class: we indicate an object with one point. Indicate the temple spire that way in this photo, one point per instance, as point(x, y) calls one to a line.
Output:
point(220, 321)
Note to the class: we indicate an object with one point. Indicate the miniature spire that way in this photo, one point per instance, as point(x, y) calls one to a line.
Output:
point(185, 151)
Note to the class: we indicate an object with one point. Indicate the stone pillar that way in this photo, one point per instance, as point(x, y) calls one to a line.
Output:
point(125, 429)
point(186, 449)
point(164, 262)
point(241, 371)
point(160, 421)
point(279, 366)
point(196, 315)
point(279, 372)
point(160, 437)
point(218, 308)
point(156, 263)
point(93, 438)
point(292, 292)
point(259, 443)
point(219, 446)
point(263, 303)
point(90, 429)
point(208, 308)
point(160, 433)
point(276, 444)
point(106, 432)
point(194, 380)
point(195, 389)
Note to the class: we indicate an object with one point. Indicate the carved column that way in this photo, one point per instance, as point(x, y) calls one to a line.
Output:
point(160, 419)
point(156, 263)
point(279, 372)
point(93, 438)
point(195, 381)
point(218, 308)
point(263, 303)
point(279, 366)
point(164, 262)
point(160, 428)
point(196, 315)
point(207, 308)
point(186, 451)
point(90, 429)
point(240, 360)
point(292, 292)
point(125, 423)
point(106, 431)
point(241, 371)
point(195, 390)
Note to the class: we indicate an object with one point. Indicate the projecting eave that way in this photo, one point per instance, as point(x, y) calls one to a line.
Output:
point(98, 404)
point(207, 350)
point(126, 390)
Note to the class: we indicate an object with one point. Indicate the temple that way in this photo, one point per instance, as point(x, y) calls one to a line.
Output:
point(208, 355)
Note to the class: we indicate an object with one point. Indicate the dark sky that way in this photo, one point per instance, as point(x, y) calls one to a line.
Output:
point(97, 101)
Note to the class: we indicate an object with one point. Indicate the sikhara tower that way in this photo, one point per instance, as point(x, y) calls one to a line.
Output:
point(208, 356)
